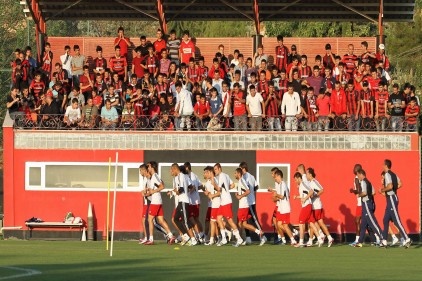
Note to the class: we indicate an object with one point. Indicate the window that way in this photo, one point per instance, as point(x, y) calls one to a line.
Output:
point(80, 176)
point(264, 178)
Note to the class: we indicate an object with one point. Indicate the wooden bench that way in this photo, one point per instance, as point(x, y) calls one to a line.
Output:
point(32, 225)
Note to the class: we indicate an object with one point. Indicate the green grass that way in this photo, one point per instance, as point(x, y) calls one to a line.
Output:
point(58, 260)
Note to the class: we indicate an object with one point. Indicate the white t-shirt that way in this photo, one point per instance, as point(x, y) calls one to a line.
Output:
point(242, 187)
point(364, 189)
point(224, 182)
point(316, 201)
point(225, 101)
point(153, 183)
point(215, 202)
point(251, 182)
point(283, 204)
point(290, 105)
point(143, 186)
point(68, 65)
point(388, 180)
point(184, 99)
point(181, 181)
point(194, 194)
point(73, 113)
point(303, 192)
point(254, 103)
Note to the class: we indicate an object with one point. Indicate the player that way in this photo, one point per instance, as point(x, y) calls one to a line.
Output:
point(243, 213)
point(357, 190)
point(213, 193)
point(225, 210)
point(250, 181)
point(280, 233)
point(155, 185)
point(282, 195)
point(317, 208)
point(181, 188)
point(143, 172)
point(305, 195)
point(368, 216)
point(194, 202)
point(391, 184)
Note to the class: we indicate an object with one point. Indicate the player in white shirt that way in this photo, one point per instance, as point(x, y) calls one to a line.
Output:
point(252, 185)
point(184, 107)
point(317, 208)
point(225, 210)
point(356, 190)
point(305, 195)
point(281, 239)
point(243, 212)
point(194, 202)
point(282, 195)
point(181, 188)
point(213, 194)
point(155, 185)
point(143, 187)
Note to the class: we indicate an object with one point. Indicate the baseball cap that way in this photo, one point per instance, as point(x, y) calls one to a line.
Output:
point(381, 46)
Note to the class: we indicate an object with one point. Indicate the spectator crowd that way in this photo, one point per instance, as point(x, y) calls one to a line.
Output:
point(165, 87)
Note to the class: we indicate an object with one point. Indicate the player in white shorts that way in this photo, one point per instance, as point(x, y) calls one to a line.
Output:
point(280, 233)
point(213, 195)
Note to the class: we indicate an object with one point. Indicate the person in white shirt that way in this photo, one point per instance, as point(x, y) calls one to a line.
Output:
point(243, 212)
point(72, 115)
point(184, 107)
point(317, 209)
point(290, 108)
point(256, 109)
point(66, 60)
point(155, 185)
point(213, 194)
point(181, 188)
point(225, 210)
point(194, 202)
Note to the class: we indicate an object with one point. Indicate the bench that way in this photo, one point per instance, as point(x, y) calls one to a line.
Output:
point(32, 225)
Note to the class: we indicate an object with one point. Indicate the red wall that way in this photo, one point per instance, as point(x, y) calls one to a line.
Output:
point(333, 169)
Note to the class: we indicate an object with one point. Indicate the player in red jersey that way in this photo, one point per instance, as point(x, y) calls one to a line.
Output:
point(37, 86)
point(282, 53)
point(350, 60)
point(122, 41)
point(47, 61)
point(118, 64)
point(187, 48)
point(100, 63)
point(159, 44)
point(367, 105)
point(381, 112)
point(382, 59)
point(151, 63)
point(353, 107)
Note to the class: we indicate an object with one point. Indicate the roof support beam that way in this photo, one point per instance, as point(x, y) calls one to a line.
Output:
point(355, 11)
point(137, 9)
point(182, 10)
point(256, 17)
point(237, 10)
point(161, 16)
point(40, 25)
point(381, 21)
point(283, 9)
point(63, 10)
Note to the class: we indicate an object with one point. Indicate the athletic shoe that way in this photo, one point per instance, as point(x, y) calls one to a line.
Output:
point(278, 241)
point(320, 242)
point(201, 240)
point(171, 240)
point(222, 243)
point(295, 232)
point(407, 243)
point(248, 241)
point(300, 245)
point(193, 242)
point(402, 242)
point(309, 244)
point(142, 241)
point(149, 242)
point(263, 240)
point(330, 242)
point(238, 242)
point(210, 243)
point(229, 235)
point(353, 244)
point(184, 242)
point(383, 245)
point(358, 245)
point(294, 243)
point(395, 241)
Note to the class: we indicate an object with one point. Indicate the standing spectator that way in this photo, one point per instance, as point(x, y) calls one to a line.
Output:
point(282, 53)
point(144, 46)
point(32, 63)
point(382, 59)
point(137, 68)
point(159, 44)
point(338, 107)
point(411, 114)
point(109, 116)
point(37, 86)
point(353, 107)
point(164, 63)
point(150, 63)
point(381, 113)
point(86, 81)
point(201, 112)
point(259, 56)
point(311, 111)
point(256, 109)
point(367, 56)
point(66, 60)
point(122, 41)
point(329, 57)
point(272, 104)
point(290, 108)
point(323, 104)
point(293, 54)
point(118, 64)
point(13, 103)
point(304, 69)
point(328, 81)
point(350, 60)
point(315, 80)
point(239, 108)
point(173, 45)
point(77, 61)
point(367, 105)
point(47, 61)
point(100, 63)
point(187, 48)
point(184, 107)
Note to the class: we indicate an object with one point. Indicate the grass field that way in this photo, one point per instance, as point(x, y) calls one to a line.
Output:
point(59, 260)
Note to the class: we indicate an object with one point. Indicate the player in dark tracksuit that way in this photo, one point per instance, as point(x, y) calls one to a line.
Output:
point(368, 218)
point(391, 184)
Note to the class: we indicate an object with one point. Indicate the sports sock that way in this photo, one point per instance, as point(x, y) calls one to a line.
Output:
point(257, 231)
point(300, 241)
point(393, 236)
point(279, 236)
point(329, 237)
point(170, 235)
point(283, 239)
point(223, 234)
point(236, 234)
point(357, 238)
point(151, 238)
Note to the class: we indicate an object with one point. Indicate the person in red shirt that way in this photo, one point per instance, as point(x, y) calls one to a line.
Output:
point(97, 99)
point(151, 63)
point(329, 57)
point(359, 76)
point(239, 109)
point(382, 59)
point(367, 106)
point(118, 64)
point(122, 41)
point(216, 66)
point(350, 60)
point(338, 106)
point(86, 83)
point(47, 61)
point(353, 107)
point(305, 70)
point(187, 48)
point(202, 112)
point(411, 115)
point(202, 70)
point(37, 86)
point(137, 64)
point(272, 104)
point(159, 44)
point(281, 53)
point(192, 72)
point(100, 63)
point(381, 111)
point(311, 112)
point(367, 56)
point(323, 105)
point(373, 80)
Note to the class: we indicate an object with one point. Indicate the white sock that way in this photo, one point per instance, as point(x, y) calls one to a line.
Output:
point(151, 238)
point(357, 238)
point(170, 235)
point(236, 234)
point(394, 236)
point(300, 241)
point(283, 239)
point(223, 234)
point(329, 237)
point(212, 240)
point(279, 236)
point(257, 231)
point(292, 240)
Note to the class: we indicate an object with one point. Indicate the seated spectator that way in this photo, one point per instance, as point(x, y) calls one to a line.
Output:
point(411, 115)
point(201, 112)
point(76, 93)
point(72, 115)
point(165, 123)
point(109, 116)
point(97, 99)
point(14, 103)
point(89, 115)
point(50, 117)
point(128, 116)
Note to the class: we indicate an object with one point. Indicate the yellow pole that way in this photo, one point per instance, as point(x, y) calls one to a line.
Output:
point(108, 201)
